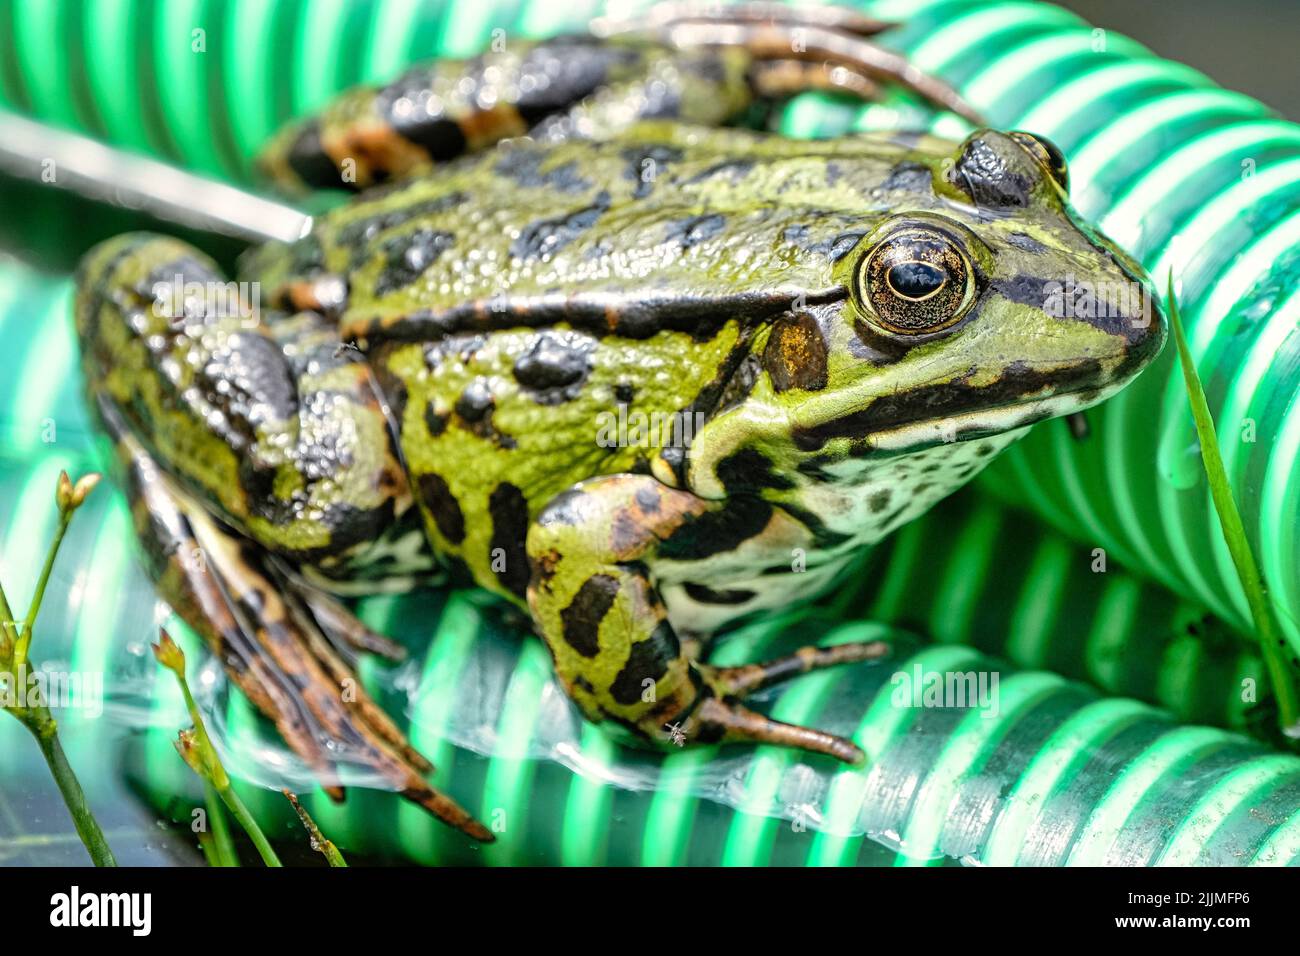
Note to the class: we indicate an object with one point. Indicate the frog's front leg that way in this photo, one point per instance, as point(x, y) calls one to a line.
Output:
point(594, 600)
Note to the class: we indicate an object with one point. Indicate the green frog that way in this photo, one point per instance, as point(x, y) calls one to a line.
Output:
point(587, 340)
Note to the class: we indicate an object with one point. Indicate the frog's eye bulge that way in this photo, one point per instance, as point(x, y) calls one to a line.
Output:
point(1004, 172)
point(1047, 154)
point(916, 281)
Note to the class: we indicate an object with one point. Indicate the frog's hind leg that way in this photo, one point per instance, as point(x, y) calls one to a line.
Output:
point(262, 416)
point(270, 642)
point(671, 12)
point(579, 86)
point(703, 66)
point(595, 601)
point(249, 447)
point(795, 49)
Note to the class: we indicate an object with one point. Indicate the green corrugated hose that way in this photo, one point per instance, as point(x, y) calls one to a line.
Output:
point(1185, 175)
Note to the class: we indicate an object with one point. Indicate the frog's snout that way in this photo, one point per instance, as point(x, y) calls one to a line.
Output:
point(1135, 310)
point(1103, 326)
point(1153, 329)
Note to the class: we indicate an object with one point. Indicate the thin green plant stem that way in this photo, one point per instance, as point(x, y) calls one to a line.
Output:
point(36, 717)
point(8, 634)
point(24, 640)
point(318, 840)
point(219, 828)
point(1234, 532)
point(92, 837)
point(7, 614)
point(245, 820)
point(209, 848)
point(199, 752)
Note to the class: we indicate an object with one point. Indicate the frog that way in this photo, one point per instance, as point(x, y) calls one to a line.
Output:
point(587, 334)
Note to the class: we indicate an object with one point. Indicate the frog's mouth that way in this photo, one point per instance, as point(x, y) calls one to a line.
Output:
point(1014, 419)
point(959, 410)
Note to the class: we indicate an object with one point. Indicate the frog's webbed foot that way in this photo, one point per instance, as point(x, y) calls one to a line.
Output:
point(720, 715)
point(341, 624)
point(795, 49)
point(595, 602)
point(275, 636)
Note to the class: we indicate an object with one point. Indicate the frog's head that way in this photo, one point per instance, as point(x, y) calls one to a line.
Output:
point(978, 304)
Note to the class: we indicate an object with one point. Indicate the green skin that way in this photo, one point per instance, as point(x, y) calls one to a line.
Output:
point(511, 307)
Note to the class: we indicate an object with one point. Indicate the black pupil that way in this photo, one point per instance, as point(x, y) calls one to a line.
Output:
point(915, 280)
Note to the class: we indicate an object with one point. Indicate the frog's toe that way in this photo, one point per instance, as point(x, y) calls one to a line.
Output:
point(344, 626)
point(447, 810)
point(748, 678)
point(796, 49)
point(726, 721)
point(669, 13)
point(721, 717)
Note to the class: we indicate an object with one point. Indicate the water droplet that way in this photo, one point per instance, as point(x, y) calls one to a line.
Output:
point(1178, 460)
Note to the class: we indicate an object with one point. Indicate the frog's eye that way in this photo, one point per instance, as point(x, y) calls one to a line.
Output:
point(1046, 153)
point(916, 281)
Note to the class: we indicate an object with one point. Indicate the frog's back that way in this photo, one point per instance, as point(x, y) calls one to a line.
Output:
point(548, 313)
point(663, 219)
